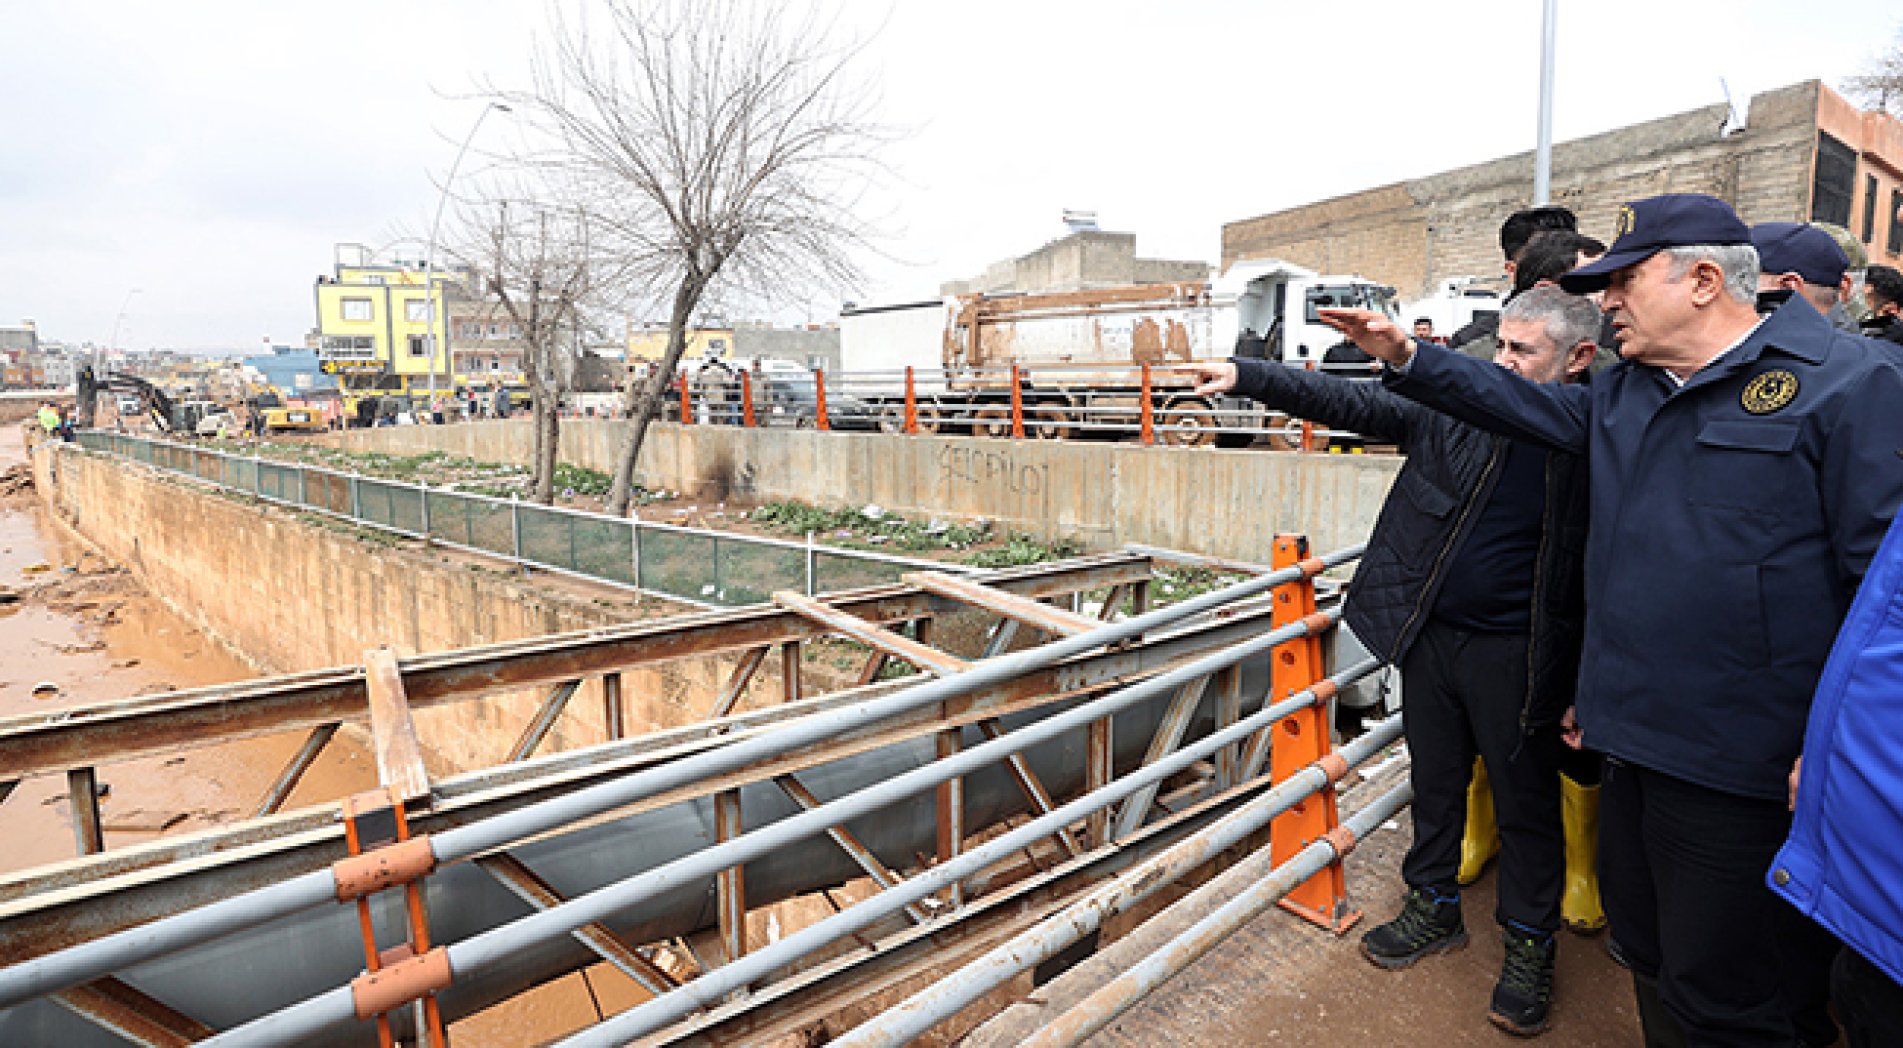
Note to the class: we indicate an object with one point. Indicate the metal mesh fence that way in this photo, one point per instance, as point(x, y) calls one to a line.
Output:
point(698, 566)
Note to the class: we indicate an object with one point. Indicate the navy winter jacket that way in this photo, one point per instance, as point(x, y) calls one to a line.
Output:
point(1449, 475)
point(1731, 522)
point(1843, 863)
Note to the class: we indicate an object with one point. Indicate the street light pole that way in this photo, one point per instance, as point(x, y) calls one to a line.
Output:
point(429, 261)
point(117, 321)
point(1543, 148)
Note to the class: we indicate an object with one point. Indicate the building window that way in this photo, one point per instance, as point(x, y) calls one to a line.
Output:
point(375, 278)
point(416, 310)
point(1869, 208)
point(1896, 225)
point(348, 347)
point(1834, 182)
point(357, 309)
point(419, 345)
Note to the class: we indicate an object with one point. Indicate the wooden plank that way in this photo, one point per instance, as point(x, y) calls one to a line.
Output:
point(895, 645)
point(399, 757)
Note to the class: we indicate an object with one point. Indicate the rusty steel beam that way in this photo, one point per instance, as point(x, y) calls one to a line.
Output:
point(293, 772)
point(730, 885)
point(613, 712)
point(154, 725)
point(893, 644)
point(1110, 602)
point(51, 908)
point(950, 799)
point(1050, 619)
point(881, 874)
point(82, 795)
point(515, 875)
point(1002, 634)
point(1228, 711)
point(1099, 767)
point(135, 1016)
point(393, 733)
point(1169, 735)
point(736, 685)
point(790, 671)
point(1028, 783)
point(544, 721)
point(875, 664)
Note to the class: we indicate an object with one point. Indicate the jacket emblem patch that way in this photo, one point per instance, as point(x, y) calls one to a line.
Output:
point(1768, 392)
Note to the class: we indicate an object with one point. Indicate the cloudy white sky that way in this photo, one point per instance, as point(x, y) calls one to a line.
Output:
point(210, 154)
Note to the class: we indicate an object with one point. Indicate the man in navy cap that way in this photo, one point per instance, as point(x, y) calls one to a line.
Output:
point(1797, 258)
point(1743, 471)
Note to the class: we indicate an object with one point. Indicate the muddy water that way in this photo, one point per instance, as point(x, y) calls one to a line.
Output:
point(84, 631)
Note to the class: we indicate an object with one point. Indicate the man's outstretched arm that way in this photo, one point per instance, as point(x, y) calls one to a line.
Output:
point(1470, 390)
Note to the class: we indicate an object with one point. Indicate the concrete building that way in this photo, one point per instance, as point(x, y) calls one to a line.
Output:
point(1803, 153)
point(1085, 257)
point(24, 338)
point(374, 321)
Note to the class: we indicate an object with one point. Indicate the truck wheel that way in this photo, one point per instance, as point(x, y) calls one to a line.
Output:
point(1226, 439)
point(931, 418)
point(1050, 422)
point(1186, 423)
point(991, 421)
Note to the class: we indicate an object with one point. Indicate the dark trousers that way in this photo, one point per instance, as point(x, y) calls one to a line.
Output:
point(1869, 1002)
point(1462, 695)
point(1681, 871)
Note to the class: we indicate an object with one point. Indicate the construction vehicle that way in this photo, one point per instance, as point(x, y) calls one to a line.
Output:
point(1077, 356)
point(159, 407)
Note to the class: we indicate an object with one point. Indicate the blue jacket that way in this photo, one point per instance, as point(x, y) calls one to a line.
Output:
point(1731, 522)
point(1843, 864)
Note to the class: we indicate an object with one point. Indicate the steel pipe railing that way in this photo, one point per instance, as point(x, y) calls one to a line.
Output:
point(305, 1019)
point(1249, 893)
point(951, 994)
point(121, 950)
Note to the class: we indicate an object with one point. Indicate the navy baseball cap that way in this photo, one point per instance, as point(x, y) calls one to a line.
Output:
point(1649, 226)
point(1801, 248)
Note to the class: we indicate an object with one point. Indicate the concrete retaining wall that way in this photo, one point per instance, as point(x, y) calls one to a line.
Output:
point(299, 592)
point(1204, 500)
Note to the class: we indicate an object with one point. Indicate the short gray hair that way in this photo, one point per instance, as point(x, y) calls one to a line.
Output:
point(1567, 319)
point(1738, 261)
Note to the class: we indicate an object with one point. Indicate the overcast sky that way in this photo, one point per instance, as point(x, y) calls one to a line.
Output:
point(210, 154)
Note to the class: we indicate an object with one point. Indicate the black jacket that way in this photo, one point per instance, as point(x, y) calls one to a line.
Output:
point(1449, 475)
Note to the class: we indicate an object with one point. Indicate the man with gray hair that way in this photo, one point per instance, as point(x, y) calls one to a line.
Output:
point(1474, 566)
point(1743, 472)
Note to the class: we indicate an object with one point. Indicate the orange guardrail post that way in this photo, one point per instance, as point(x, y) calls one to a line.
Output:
point(911, 404)
point(1299, 740)
point(1017, 406)
point(1146, 412)
point(746, 398)
point(687, 404)
point(819, 399)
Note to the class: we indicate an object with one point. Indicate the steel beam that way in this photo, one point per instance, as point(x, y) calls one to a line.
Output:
point(1169, 735)
point(1032, 613)
point(895, 645)
point(613, 712)
point(737, 682)
point(140, 1019)
point(155, 725)
point(1228, 711)
point(1033, 790)
point(82, 795)
point(730, 884)
point(293, 772)
point(523, 882)
point(544, 721)
point(881, 874)
point(790, 671)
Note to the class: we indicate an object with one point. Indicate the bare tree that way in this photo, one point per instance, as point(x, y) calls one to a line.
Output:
point(1880, 85)
point(537, 266)
point(717, 146)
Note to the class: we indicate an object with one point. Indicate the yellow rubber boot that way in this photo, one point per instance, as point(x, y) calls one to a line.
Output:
point(1579, 907)
point(1482, 841)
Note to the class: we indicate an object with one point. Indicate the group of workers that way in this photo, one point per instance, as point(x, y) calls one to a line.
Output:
point(1613, 569)
point(55, 421)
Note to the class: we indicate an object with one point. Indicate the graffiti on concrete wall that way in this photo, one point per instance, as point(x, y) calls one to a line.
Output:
point(992, 472)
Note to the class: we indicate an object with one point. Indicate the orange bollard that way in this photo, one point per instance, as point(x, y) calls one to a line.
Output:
point(1017, 406)
point(1298, 741)
point(746, 398)
point(687, 403)
point(911, 404)
point(1146, 411)
point(819, 401)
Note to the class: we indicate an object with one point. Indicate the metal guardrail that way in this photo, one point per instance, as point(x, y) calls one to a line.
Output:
point(693, 565)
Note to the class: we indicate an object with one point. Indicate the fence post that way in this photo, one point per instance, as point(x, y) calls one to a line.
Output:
point(911, 404)
point(1299, 740)
point(303, 486)
point(1308, 428)
point(687, 404)
point(1017, 406)
point(257, 475)
point(1146, 413)
point(809, 565)
point(634, 542)
point(819, 409)
point(515, 526)
point(746, 398)
point(356, 501)
point(422, 496)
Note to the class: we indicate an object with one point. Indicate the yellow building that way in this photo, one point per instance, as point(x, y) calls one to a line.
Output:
point(650, 343)
point(374, 323)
